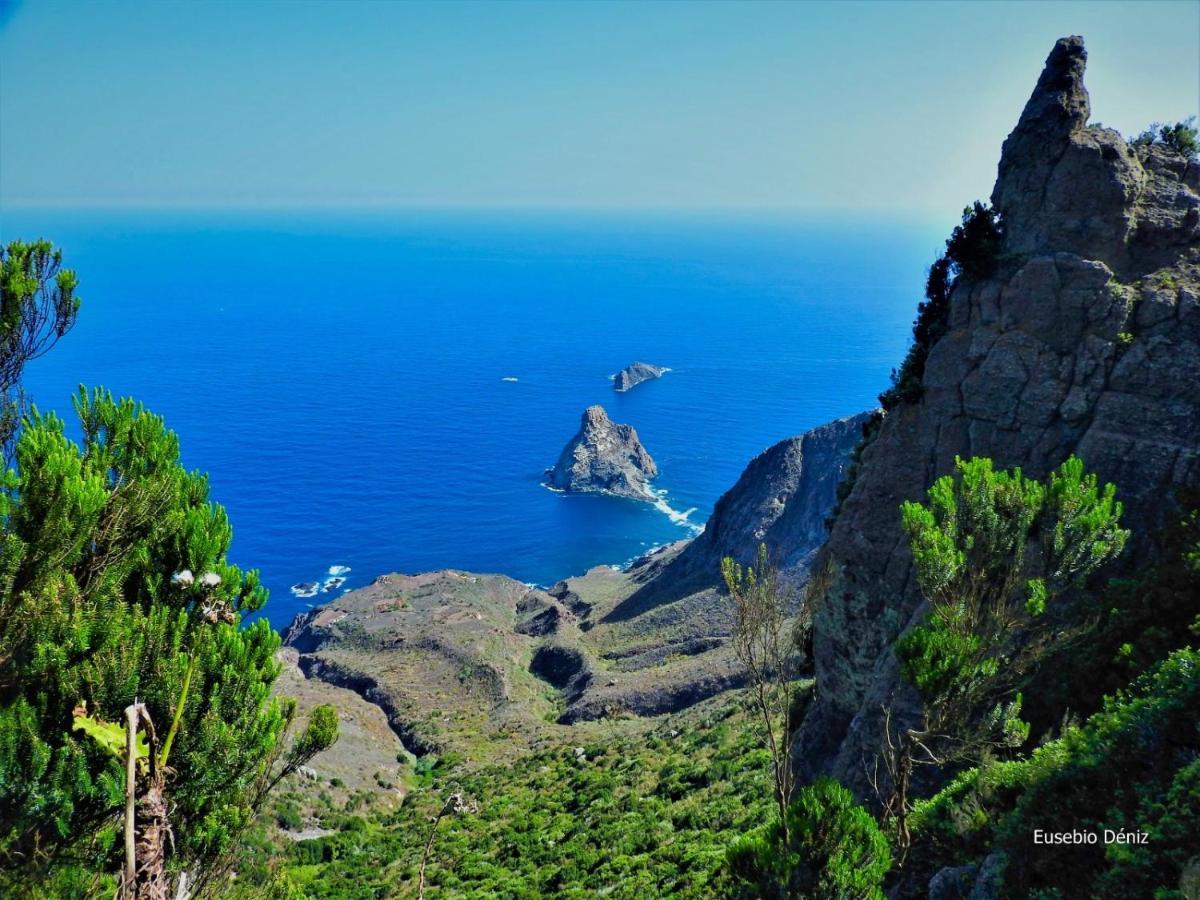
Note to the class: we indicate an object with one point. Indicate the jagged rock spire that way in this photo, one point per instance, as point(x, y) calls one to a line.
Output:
point(1086, 340)
point(1057, 108)
point(1061, 184)
point(1060, 101)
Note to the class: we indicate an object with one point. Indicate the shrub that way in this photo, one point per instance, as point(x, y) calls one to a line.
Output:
point(835, 850)
point(992, 550)
point(974, 246)
point(972, 251)
point(1135, 765)
point(38, 306)
point(90, 536)
point(1182, 137)
point(933, 316)
point(287, 815)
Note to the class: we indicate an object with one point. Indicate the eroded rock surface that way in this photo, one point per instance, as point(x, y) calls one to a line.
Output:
point(604, 457)
point(1086, 340)
point(782, 499)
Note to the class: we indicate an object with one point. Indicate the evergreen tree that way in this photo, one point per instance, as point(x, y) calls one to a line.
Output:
point(37, 306)
point(115, 591)
point(831, 848)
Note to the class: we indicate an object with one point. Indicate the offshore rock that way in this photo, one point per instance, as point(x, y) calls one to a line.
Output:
point(635, 373)
point(604, 457)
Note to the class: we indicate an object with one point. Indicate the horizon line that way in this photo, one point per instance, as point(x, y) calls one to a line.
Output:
point(371, 206)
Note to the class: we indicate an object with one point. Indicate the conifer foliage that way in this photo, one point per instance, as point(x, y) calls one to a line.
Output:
point(38, 306)
point(100, 611)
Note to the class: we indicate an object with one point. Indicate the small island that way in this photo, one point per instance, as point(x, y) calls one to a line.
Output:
point(635, 373)
point(604, 457)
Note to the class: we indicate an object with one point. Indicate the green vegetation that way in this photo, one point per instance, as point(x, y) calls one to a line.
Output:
point(102, 620)
point(1141, 618)
point(972, 252)
point(640, 815)
point(832, 848)
point(993, 553)
point(37, 307)
point(128, 681)
point(1134, 767)
point(1181, 137)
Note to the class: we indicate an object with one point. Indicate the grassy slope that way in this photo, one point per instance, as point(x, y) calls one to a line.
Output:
point(649, 812)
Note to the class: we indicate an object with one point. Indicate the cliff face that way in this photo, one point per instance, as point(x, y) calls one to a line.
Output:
point(782, 499)
point(604, 457)
point(1086, 340)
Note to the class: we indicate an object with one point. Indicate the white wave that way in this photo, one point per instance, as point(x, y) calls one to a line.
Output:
point(659, 499)
point(305, 589)
point(339, 570)
point(510, 378)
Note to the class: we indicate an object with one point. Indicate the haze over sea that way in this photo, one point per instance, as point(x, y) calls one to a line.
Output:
point(341, 375)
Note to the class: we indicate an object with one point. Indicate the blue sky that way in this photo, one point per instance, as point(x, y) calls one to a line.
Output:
point(841, 106)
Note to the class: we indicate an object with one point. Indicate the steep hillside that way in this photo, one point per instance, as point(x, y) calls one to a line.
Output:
point(1086, 340)
point(486, 666)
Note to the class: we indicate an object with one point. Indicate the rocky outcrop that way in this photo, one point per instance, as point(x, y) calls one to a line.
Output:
point(635, 373)
point(606, 458)
point(782, 499)
point(538, 616)
point(655, 700)
point(1086, 340)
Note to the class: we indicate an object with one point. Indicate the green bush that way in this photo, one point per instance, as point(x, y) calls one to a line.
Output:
point(992, 550)
point(1182, 137)
point(933, 316)
point(1133, 766)
point(1141, 618)
point(974, 246)
point(287, 815)
point(835, 850)
point(638, 819)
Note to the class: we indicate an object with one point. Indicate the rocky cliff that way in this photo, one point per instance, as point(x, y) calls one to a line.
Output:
point(1085, 340)
point(782, 499)
point(635, 373)
point(604, 457)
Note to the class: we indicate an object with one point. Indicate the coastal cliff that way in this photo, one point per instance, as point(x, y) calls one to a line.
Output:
point(604, 457)
point(782, 499)
point(1084, 340)
point(651, 639)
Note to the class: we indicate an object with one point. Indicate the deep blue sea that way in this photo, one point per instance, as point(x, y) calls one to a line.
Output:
point(345, 377)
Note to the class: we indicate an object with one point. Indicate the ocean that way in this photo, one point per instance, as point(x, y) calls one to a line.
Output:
point(380, 391)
